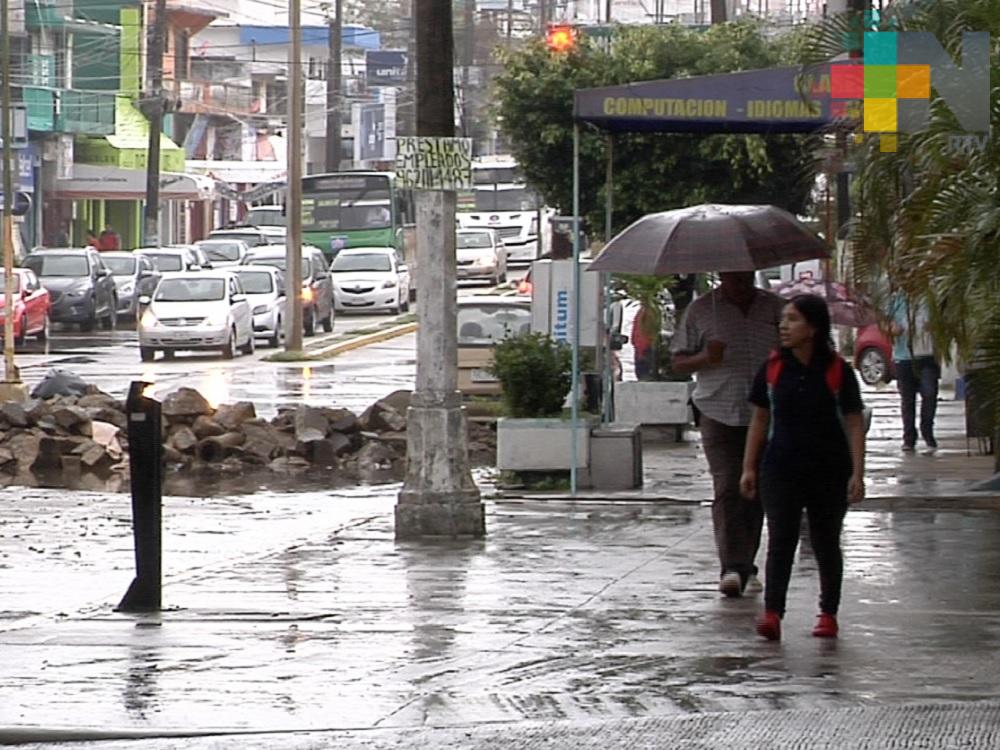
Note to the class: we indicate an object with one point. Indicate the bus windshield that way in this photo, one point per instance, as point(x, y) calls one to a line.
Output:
point(346, 202)
point(501, 199)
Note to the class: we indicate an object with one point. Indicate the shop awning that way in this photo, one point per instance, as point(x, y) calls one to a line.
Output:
point(752, 101)
point(240, 172)
point(92, 182)
point(128, 146)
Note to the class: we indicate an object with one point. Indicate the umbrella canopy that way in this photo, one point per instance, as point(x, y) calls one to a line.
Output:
point(846, 307)
point(710, 237)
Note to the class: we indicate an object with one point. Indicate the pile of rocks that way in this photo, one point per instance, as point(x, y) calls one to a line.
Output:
point(89, 433)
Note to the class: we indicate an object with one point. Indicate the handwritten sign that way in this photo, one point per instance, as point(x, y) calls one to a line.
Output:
point(424, 163)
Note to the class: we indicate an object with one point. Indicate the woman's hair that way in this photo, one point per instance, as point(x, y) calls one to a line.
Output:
point(817, 314)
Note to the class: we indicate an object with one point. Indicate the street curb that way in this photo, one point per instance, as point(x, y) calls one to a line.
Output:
point(356, 343)
point(971, 501)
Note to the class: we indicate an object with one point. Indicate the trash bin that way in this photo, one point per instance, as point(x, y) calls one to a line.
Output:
point(616, 457)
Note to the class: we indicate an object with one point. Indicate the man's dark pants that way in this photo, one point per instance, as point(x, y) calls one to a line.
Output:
point(913, 376)
point(737, 521)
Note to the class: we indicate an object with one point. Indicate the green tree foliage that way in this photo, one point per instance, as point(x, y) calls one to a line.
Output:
point(535, 374)
point(927, 215)
point(652, 172)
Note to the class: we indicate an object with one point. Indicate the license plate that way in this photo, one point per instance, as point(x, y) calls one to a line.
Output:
point(483, 376)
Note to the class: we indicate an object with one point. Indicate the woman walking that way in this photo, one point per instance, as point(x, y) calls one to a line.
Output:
point(807, 440)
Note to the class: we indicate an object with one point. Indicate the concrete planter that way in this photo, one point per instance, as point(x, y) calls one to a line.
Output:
point(653, 402)
point(542, 444)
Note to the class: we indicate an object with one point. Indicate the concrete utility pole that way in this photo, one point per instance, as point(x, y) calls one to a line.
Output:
point(154, 112)
point(439, 498)
point(12, 389)
point(333, 88)
point(293, 240)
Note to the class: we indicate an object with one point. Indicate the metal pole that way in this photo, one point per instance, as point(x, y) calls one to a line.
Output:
point(154, 111)
point(468, 57)
point(12, 378)
point(607, 412)
point(293, 244)
point(575, 397)
point(333, 89)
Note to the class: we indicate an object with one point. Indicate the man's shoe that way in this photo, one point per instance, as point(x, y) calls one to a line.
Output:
point(731, 585)
point(754, 586)
point(769, 625)
point(826, 626)
point(908, 447)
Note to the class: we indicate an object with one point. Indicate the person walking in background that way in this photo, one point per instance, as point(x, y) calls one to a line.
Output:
point(917, 371)
point(109, 239)
point(91, 240)
point(723, 338)
point(645, 330)
point(808, 426)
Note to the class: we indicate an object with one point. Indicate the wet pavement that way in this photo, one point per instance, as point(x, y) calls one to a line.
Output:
point(588, 623)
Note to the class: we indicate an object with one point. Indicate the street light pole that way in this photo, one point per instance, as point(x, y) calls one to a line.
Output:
point(12, 388)
point(333, 88)
point(293, 241)
point(154, 111)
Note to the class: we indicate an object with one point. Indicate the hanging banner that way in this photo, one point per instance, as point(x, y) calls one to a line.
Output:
point(425, 163)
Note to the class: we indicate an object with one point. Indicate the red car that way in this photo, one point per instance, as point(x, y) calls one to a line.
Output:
point(31, 306)
point(873, 355)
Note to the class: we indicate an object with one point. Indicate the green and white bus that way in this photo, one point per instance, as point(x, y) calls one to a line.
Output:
point(356, 209)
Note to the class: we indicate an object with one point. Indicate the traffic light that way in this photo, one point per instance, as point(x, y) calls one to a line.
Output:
point(560, 37)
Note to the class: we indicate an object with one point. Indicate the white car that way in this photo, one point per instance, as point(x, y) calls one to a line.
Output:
point(203, 310)
point(265, 290)
point(223, 252)
point(370, 278)
point(171, 259)
point(481, 254)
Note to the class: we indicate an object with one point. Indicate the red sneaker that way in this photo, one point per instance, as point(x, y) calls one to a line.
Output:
point(769, 625)
point(826, 626)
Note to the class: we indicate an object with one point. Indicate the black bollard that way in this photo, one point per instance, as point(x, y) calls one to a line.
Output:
point(145, 446)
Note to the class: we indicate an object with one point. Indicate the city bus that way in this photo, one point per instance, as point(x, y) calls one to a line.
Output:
point(356, 209)
point(502, 200)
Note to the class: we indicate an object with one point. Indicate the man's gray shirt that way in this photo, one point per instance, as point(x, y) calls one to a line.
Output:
point(721, 392)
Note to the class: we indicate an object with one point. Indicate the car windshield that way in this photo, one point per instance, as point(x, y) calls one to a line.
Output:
point(266, 217)
point(120, 266)
point(71, 266)
point(484, 325)
point(166, 261)
point(279, 262)
point(468, 240)
point(251, 238)
point(355, 262)
point(256, 282)
point(3, 281)
point(221, 251)
point(190, 290)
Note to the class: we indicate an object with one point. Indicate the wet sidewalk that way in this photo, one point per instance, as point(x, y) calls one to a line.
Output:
point(296, 621)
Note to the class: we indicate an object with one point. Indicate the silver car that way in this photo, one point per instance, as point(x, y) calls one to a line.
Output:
point(265, 290)
point(223, 252)
point(196, 311)
point(134, 276)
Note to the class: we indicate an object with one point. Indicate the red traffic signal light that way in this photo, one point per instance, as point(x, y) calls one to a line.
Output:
point(560, 38)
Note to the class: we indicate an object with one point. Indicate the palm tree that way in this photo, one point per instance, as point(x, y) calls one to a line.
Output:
point(927, 216)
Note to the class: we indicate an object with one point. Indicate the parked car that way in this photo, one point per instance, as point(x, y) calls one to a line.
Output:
point(172, 259)
point(31, 306)
point(371, 278)
point(484, 320)
point(873, 355)
point(317, 288)
point(265, 290)
point(223, 252)
point(81, 287)
point(253, 236)
point(481, 254)
point(135, 275)
point(202, 310)
point(201, 257)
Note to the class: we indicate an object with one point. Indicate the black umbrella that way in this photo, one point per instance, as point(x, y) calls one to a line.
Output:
point(710, 237)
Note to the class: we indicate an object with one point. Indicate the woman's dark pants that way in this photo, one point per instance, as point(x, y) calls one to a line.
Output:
point(825, 502)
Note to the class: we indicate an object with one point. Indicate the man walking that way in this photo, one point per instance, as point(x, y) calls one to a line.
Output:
point(724, 338)
point(109, 239)
point(917, 371)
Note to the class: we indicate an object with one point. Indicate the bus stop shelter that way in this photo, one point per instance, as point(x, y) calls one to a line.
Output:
point(793, 99)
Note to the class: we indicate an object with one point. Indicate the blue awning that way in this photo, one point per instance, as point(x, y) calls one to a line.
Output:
point(753, 101)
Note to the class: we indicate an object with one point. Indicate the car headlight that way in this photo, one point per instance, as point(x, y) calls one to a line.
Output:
point(389, 284)
point(127, 288)
point(486, 260)
point(148, 320)
point(260, 310)
point(307, 294)
point(217, 319)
